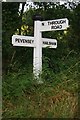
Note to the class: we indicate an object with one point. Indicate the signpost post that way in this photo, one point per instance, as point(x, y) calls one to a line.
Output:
point(37, 55)
point(37, 42)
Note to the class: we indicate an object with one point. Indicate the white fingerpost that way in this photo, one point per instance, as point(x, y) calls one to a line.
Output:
point(37, 57)
point(37, 42)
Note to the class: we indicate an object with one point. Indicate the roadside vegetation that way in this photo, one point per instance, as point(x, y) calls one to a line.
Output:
point(57, 96)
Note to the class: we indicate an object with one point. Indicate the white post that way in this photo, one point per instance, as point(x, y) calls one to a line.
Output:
point(37, 55)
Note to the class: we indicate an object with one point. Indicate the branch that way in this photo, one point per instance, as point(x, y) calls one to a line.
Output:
point(21, 14)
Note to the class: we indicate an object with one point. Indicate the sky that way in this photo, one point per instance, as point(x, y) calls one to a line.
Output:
point(29, 2)
point(62, 1)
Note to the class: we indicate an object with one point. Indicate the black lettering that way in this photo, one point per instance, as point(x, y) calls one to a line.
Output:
point(42, 24)
point(17, 40)
point(60, 26)
point(52, 43)
point(48, 23)
point(25, 41)
point(57, 22)
point(21, 40)
point(56, 27)
point(53, 27)
point(29, 41)
point(62, 21)
point(45, 43)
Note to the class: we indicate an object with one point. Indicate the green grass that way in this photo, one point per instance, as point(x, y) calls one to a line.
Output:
point(57, 97)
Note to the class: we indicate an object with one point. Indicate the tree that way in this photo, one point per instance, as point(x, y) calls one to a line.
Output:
point(11, 20)
point(22, 23)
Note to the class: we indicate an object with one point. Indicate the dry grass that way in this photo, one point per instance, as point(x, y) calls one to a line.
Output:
point(58, 99)
point(60, 104)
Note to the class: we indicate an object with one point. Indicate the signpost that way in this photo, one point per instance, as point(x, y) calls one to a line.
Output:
point(58, 24)
point(37, 55)
point(37, 42)
point(19, 40)
point(50, 43)
point(28, 41)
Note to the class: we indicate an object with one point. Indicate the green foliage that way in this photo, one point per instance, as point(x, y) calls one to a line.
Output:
point(14, 85)
point(10, 22)
point(48, 11)
point(57, 93)
point(57, 96)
